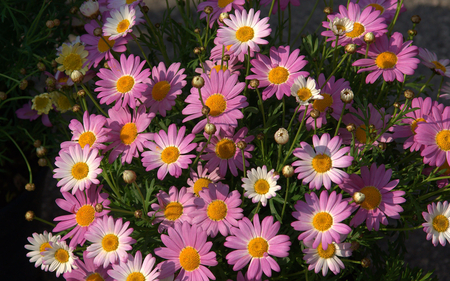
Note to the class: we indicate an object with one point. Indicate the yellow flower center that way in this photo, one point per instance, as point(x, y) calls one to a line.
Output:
point(377, 7)
point(328, 253)
point(217, 104)
point(62, 256)
point(42, 103)
point(321, 163)
point(85, 215)
point(189, 259)
point(439, 66)
point(278, 75)
point(200, 184)
point(340, 27)
point(261, 186)
point(440, 223)
point(257, 247)
point(170, 154)
point(63, 79)
point(245, 34)
point(104, 44)
point(123, 26)
point(217, 210)
point(130, 1)
point(95, 277)
point(125, 84)
point(136, 276)
point(217, 68)
point(304, 94)
point(372, 197)
point(110, 242)
point(414, 124)
point(225, 149)
point(173, 211)
point(323, 104)
point(223, 3)
point(386, 60)
point(80, 170)
point(62, 103)
point(86, 138)
point(361, 133)
point(358, 29)
point(44, 247)
point(128, 133)
point(443, 140)
point(160, 90)
point(72, 62)
point(322, 221)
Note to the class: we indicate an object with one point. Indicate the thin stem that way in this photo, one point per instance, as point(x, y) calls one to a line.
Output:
point(440, 86)
point(352, 261)
point(426, 83)
point(23, 155)
point(397, 12)
point(10, 78)
point(428, 195)
point(45, 221)
point(243, 163)
point(402, 229)
point(285, 198)
point(334, 70)
point(142, 196)
point(93, 100)
point(293, 116)
point(271, 8)
point(261, 107)
point(119, 210)
point(335, 51)
point(142, 51)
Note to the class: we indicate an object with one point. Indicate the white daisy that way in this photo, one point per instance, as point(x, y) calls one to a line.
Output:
point(320, 259)
point(40, 243)
point(260, 185)
point(340, 26)
point(42, 103)
point(120, 23)
point(305, 90)
point(59, 257)
point(437, 223)
point(135, 269)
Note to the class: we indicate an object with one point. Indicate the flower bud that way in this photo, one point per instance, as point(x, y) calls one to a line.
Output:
point(98, 31)
point(106, 65)
point(23, 84)
point(358, 197)
point(50, 82)
point(205, 110)
point(30, 186)
point(350, 48)
point(197, 30)
point(226, 57)
point(208, 10)
point(138, 214)
point(202, 49)
point(3, 96)
point(347, 95)
point(73, 10)
point(210, 128)
point(41, 151)
point(223, 16)
point(382, 145)
point(314, 113)
point(254, 83)
point(365, 262)
point(328, 10)
point(99, 207)
point(197, 51)
point(129, 176)
point(416, 19)
point(57, 22)
point(76, 108)
point(76, 76)
point(42, 162)
point(81, 93)
point(198, 82)
point(330, 110)
point(412, 32)
point(29, 216)
point(396, 105)
point(369, 37)
point(90, 9)
point(281, 136)
point(50, 24)
point(145, 9)
point(409, 94)
point(37, 143)
point(351, 127)
point(241, 145)
point(287, 171)
point(23, 71)
point(40, 66)
point(260, 136)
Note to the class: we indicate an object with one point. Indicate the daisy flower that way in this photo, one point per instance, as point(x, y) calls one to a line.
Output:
point(72, 57)
point(367, 20)
point(163, 89)
point(283, 4)
point(217, 209)
point(25, 112)
point(222, 151)
point(222, 94)
point(379, 200)
point(322, 164)
point(219, 6)
point(186, 249)
point(120, 22)
point(135, 269)
point(429, 59)
point(331, 93)
point(59, 257)
point(91, 132)
point(110, 241)
point(42, 103)
point(215, 65)
point(320, 259)
point(83, 214)
point(260, 185)
point(305, 90)
point(220, 50)
point(173, 208)
point(278, 72)
point(168, 151)
point(387, 8)
point(244, 31)
point(256, 243)
point(437, 221)
point(123, 83)
point(39, 244)
point(390, 57)
point(87, 270)
point(320, 219)
point(60, 101)
point(77, 168)
point(126, 133)
point(340, 26)
point(200, 180)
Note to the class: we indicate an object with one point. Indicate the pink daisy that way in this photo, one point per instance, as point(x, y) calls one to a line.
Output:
point(83, 213)
point(434, 134)
point(320, 219)
point(256, 243)
point(91, 132)
point(87, 270)
point(437, 222)
point(168, 151)
point(135, 269)
point(244, 31)
point(25, 112)
point(110, 241)
point(283, 4)
point(222, 94)
point(77, 168)
point(173, 208)
point(230, 65)
point(217, 209)
point(368, 20)
point(163, 89)
point(331, 93)
point(387, 8)
point(320, 259)
point(121, 21)
point(126, 133)
point(322, 164)
point(186, 248)
point(391, 58)
point(429, 59)
point(123, 83)
point(222, 151)
point(379, 200)
point(202, 178)
point(278, 72)
point(219, 6)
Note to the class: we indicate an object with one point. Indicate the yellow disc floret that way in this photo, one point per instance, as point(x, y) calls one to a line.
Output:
point(372, 197)
point(189, 259)
point(217, 210)
point(128, 133)
point(245, 34)
point(321, 163)
point(160, 90)
point(225, 149)
point(80, 170)
point(278, 75)
point(257, 247)
point(217, 104)
point(322, 221)
point(173, 211)
point(386, 60)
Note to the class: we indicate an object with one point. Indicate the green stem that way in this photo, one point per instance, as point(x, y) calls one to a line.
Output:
point(335, 51)
point(93, 100)
point(142, 51)
point(45, 221)
point(142, 197)
point(397, 12)
point(23, 155)
point(440, 86)
point(261, 107)
point(10, 78)
point(428, 195)
point(201, 152)
point(119, 210)
point(334, 70)
point(293, 116)
point(426, 83)
point(285, 198)
point(243, 163)
point(352, 261)
point(271, 8)
point(401, 229)
point(340, 119)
